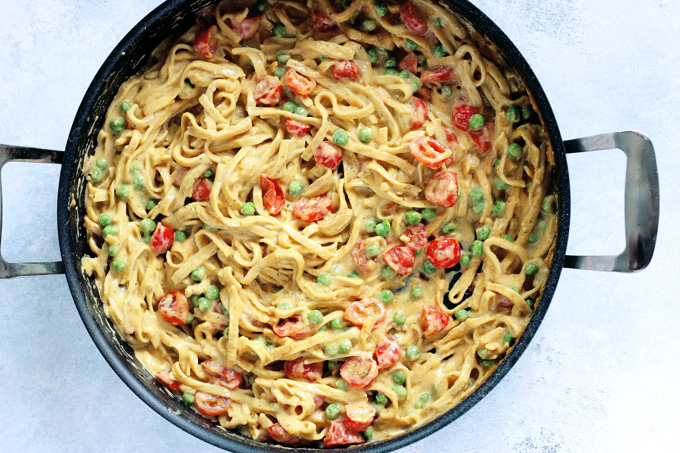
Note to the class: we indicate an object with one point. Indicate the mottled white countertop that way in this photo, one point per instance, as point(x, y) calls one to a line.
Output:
point(600, 375)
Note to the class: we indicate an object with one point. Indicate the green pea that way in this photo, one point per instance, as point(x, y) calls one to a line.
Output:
point(332, 411)
point(390, 63)
point(323, 58)
point(513, 287)
point(447, 91)
point(95, 174)
point(383, 228)
point(123, 191)
point(477, 208)
point(509, 339)
point(372, 250)
point(372, 55)
point(515, 150)
point(345, 345)
point(399, 318)
point(508, 238)
point(400, 390)
point(428, 214)
point(248, 208)
point(499, 184)
point(138, 181)
point(118, 265)
point(476, 122)
point(368, 434)
point(134, 168)
point(280, 30)
point(382, 399)
point(461, 315)
point(147, 226)
point(422, 400)
point(150, 204)
point(369, 24)
point(332, 364)
point(337, 269)
point(531, 268)
point(530, 303)
point(370, 225)
point(380, 9)
point(315, 317)
point(415, 85)
point(437, 21)
point(476, 195)
point(212, 293)
point(483, 232)
point(534, 237)
point(146, 238)
point(448, 227)
point(105, 219)
point(282, 58)
point(410, 44)
point(260, 6)
point(180, 236)
point(125, 106)
point(417, 292)
point(513, 114)
point(209, 228)
point(413, 217)
point(290, 106)
point(548, 206)
point(295, 188)
point(365, 134)
point(353, 274)
point(391, 72)
point(405, 74)
point(194, 299)
point(499, 207)
point(386, 296)
point(285, 306)
point(117, 123)
point(279, 72)
point(324, 279)
point(109, 230)
point(422, 59)
point(340, 384)
point(113, 249)
point(340, 137)
point(527, 112)
point(483, 353)
point(198, 274)
point(428, 268)
point(226, 332)
point(301, 111)
point(101, 163)
point(412, 352)
point(387, 273)
point(439, 51)
point(188, 398)
point(465, 259)
point(477, 248)
point(208, 173)
point(399, 377)
point(203, 304)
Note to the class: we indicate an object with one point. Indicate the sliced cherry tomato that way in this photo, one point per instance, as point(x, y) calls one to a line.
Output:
point(247, 28)
point(365, 264)
point(434, 320)
point(211, 405)
point(205, 42)
point(442, 189)
point(359, 415)
point(224, 376)
point(179, 176)
point(409, 63)
point(312, 209)
point(319, 400)
point(322, 22)
point(272, 195)
point(387, 352)
point(429, 151)
point(460, 116)
point(294, 327)
point(298, 369)
point(300, 84)
point(450, 134)
point(339, 433)
point(346, 70)
point(482, 138)
point(202, 190)
point(297, 128)
point(400, 258)
point(174, 308)
point(358, 312)
point(165, 377)
point(419, 113)
point(162, 239)
point(438, 75)
point(443, 252)
point(328, 154)
point(282, 436)
point(268, 91)
point(416, 236)
point(359, 372)
point(425, 93)
point(412, 20)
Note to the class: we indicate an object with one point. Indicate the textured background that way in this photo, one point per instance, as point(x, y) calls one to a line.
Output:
point(600, 375)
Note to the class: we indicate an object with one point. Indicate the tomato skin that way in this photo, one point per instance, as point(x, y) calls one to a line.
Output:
point(247, 27)
point(268, 91)
point(401, 259)
point(294, 327)
point(442, 189)
point(205, 42)
point(298, 369)
point(409, 63)
point(443, 252)
point(282, 436)
point(162, 239)
point(311, 210)
point(322, 22)
point(359, 415)
point(460, 116)
point(202, 190)
point(339, 433)
point(482, 138)
point(344, 70)
point(165, 377)
point(359, 372)
point(272, 195)
point(298, 83)
point(434, 320)
point(297, 128)
point(358, 311)
point(429, 151)
point(211, 405)
point(365, 264)
point(224, 376)
point(442, 75)
point(419, 113)
point(329, 155)
point(387, 352)
point(412, 20)
point(174, 308)
point(416, 235)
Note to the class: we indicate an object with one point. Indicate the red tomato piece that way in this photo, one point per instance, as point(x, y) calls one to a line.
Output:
point(358, 312)
point(312, 209)
point(425, 93)
point(202, 190)
point(365, 264)
point(419, 113)
point(460, 116)
point(179, 176)
point(298, 369)
point(409, 63)
point(272, 195)
point(429, 151)
point(443, 252)
point(294, 327)
point(268, 91)
point(322, 22)
point(300, 84)
point(450, 134)
point(162, 239)
point(482, 138)
point(438, 75)
point(165, 378)
point(211, 405)
point(504, 302)
point(297, 128)
point(434, 320)
point(329, 155)
point(174, 308)
point(344, 70)
point(442, 189)
point(387, 352)
point(416, 236)
point(247, 28)
point(225, 376)
point(412, 20)
point(400, 258)
point(359, 415)
point(205, 42)
point(359, 372)
point(283, 437)
point(339, 433)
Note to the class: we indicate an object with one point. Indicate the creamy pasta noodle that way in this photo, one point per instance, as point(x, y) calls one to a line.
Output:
point(321, 223)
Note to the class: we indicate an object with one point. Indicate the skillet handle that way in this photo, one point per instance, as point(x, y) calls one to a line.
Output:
point(641, 201)
point(23, 154)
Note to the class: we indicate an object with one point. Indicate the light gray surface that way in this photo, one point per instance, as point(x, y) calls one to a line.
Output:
point(600, 375)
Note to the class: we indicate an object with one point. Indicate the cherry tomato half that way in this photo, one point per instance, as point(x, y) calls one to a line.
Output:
point(247, 28)
point(443, 252)
point(387, 352)
point(297, 128)
point(359, 372)
point(482, 138)
point(429, 151)
point(442, 189)
point(298, 369)
point(283, 437)
point(205, 42)
point(359, 415)
point(358, 312)
point(401, 259)
point(165, 377)
point(211, 405)
point(202, 190)
point(365, 264)
point(272, 195)
point(322, 22)
point(346, 70)
point(162, 239)
point(328, 154)
point(312, 209)
point(434, 320)
point(442, 75)
point(174, 308)
point(300, 84)
point(409, 63)
point(460, 116)
point(268, 91)
point(294, 327)
point(412, 20)
point(224, 376)
point(419, 113)
point(416, 236)
point(339, 433)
